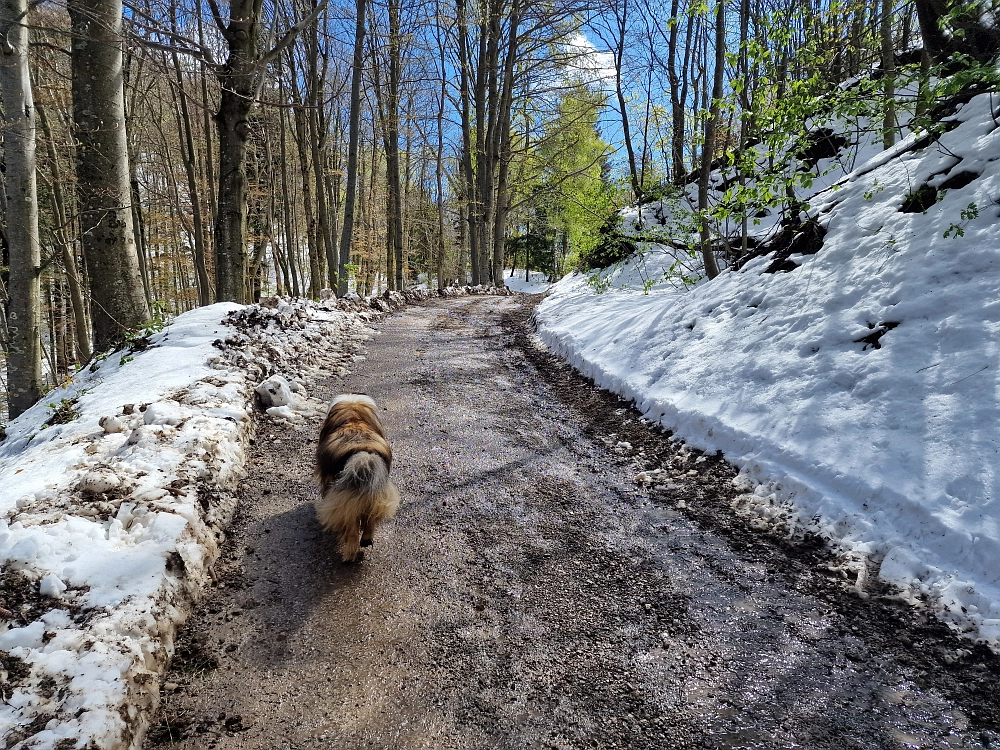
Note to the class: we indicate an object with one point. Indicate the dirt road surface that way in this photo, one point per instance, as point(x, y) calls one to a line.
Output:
point(530, 594)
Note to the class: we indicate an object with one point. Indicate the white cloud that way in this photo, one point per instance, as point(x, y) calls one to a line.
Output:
point(592, 64)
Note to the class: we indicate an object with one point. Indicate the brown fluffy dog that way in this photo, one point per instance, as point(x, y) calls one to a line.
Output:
point(352, 464)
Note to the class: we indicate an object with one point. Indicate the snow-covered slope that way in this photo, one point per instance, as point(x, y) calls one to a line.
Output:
point(859, 392)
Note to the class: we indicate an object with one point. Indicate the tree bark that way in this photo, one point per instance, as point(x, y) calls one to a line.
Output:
point(239, 78)
point(487, 109)
point(238, 82)
point(190, 162)
point(469, 207)
point(888, 76)
point(302, 137)
point(318, 139)
point(621, 19)
point(439, 155)
point(678, 92)
point(335, 195)
point(503, 146)
point(286, 204)
point(354, 137)
point(102, 171)
point(206, 112)
point(390, 127)
point(708, 150)
point(133, 71)
point(970, 36)
point(83, 350)
point(24, 365)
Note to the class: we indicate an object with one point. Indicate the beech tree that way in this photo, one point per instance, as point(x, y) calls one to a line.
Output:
point(102, 171)
point(24, 364)
point(240, 80)
point(354, 136)
point(711, 132)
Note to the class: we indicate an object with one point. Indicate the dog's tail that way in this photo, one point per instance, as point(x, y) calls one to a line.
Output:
point(365, 472)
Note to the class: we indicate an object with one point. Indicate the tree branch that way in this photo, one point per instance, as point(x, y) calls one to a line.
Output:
point(290, 35)
point(150, 25)
point(217, 15)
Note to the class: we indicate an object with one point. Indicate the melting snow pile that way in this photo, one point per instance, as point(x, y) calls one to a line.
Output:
point(536, 283)
point(114, 492)
point(857, 387)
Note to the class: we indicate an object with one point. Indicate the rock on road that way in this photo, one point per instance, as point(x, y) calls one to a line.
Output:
point(531, 595)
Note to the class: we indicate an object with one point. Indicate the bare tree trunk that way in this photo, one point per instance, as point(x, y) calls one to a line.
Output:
point(644, 158)
point(391, 129)
point(469, 207)
point(711, 125)
point(239, 78)
point(746, 113)
point(301, 138)
point(24, 365)
point(487, 107)
point(317, 139)
point(138, 226)
point(888, 76)
point(678, 92)
point(190, 161)
point(503, 147)
point(923, 85)
point(206, 112)
point(623, 38)
point(354, 136)
point(102, 170)
point(439, 154)
point(335, 193)
point(238, 86)
point(261, 216)
point(462, 262)
point(286, 205)
point(405, 217)
point(83, 350)
point(139, 231)
point(965, 20)
point(929, 14)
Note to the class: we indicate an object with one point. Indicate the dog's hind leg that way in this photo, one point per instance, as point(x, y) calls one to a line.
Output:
point(350, 542)
point(367, 530)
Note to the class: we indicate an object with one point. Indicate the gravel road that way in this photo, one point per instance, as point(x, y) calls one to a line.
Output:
point(530, 594)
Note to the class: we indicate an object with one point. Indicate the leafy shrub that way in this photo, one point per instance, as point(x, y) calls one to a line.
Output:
point(539, 251)
point(613, 245)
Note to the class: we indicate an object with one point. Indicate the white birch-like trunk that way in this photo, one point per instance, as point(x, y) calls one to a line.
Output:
point(24, 366)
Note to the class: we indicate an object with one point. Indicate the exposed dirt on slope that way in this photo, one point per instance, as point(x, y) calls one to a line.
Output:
point(531, 594)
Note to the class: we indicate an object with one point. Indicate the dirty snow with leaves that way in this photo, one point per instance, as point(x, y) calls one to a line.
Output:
point(114, 493)
point(858, 387)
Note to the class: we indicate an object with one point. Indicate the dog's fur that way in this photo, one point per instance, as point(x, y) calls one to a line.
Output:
point(353, 459)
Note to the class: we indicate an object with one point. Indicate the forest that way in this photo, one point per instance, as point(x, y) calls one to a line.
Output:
point(159, 156)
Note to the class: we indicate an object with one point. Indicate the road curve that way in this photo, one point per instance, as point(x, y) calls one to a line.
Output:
point(531, 595)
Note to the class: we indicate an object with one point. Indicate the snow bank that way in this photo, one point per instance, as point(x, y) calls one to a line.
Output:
point(111, 516)
point(861, 390)
point(537, 282)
